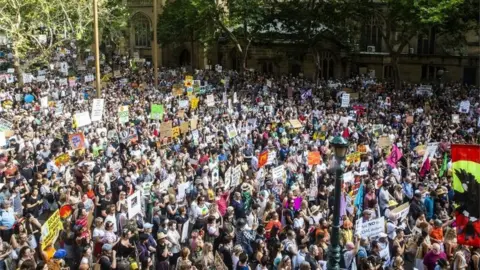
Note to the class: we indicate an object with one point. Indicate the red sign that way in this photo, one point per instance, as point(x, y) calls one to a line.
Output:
point(262, 159)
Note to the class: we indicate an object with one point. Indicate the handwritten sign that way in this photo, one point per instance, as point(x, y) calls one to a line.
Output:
point(371, 227)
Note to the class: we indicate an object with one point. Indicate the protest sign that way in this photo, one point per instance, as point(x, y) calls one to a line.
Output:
point(194, 103)
point(82, 119)
point(231, 131)
point(44, 102)
point(236, 175)
point(175, 132)
point(123, 114)
point(72, 81)
point(314, 158)
point(183, 103)
point(345, 100)
point(58, 108)
point(464, 106)
point(184, 127)
point(262, 159)
point(62, 159)
point(353, 158)
point(177, 91)
point(401, 212)
point(210, 100)
point(97, 109)
point(364, 168)
point(227, 178)
point(295, 124)
point(134, 204)
point(77, 140)
point(3, 139)
point(166, 130)
point(51, 229)
point(156, 111)
point(348, 177)
point(272, 155)
point(5, 125)
point(362, 148)
point(384, 142)
point(455, 118)
point(370, 228)
point(278, 172)
point(193, 123)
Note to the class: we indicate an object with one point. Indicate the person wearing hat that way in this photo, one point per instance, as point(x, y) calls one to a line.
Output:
point(346, 231)
point(163, 252)
point(108, 258)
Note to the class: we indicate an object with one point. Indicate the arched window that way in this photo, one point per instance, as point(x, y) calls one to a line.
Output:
point(371, 35)
point(141, 24)
point(328, 66)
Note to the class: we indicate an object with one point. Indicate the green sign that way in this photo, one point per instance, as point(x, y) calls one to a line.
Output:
point(156, 111)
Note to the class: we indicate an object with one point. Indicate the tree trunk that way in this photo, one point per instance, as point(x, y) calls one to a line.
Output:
point(316, 55)
point(17, 65)
point(396, 73)
point(245, 56)
point(192, 45)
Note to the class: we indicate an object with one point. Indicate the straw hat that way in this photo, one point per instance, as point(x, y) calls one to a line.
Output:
point(315, 209)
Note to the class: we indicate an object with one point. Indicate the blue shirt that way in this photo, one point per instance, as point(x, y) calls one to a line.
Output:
point(408, 189)
point(7, 218)
point(429, 206)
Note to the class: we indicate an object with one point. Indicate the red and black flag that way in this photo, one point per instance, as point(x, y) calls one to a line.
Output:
point(466, 183)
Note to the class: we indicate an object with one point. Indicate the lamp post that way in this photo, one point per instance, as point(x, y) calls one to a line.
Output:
point(98, 84)
point(340, 146)
point(155, 44)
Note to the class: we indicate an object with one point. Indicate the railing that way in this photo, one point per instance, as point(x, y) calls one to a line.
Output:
point(141, 3)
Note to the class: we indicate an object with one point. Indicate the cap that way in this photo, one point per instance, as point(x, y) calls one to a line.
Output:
point(107, 247)
point(60, 254)
point(382, 235)
point(147, 225)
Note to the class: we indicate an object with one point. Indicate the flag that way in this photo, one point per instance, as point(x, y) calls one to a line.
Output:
point(444, 167)
point(425, 167)
point(394, 157)
point(359, 199)
point(262, 159)
point(466, 184)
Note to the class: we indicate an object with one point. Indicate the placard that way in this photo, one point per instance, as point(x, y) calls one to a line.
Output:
point(166, 130)
point(348, 177)
point(278, 172)
point(123, 114)
point(77, 140)
point(183, 103)
point(5, 125)
point(384, 141)
point(236, 175)
point(345, 100)
point(193, 123)
point(364, 168)
point(455, 118)
point(371, 227)
point(97, 109)
point(134, 204)
point(44, 102)
point(194, 103)
point(401, 212)
point(314, 158)
point(272, 156)
point(231, 131)
point(156, 111)
point(175, 132)
point(184, 127)
point(210, 100)
point(82, 119)
point(51, 230)
point(228, 178)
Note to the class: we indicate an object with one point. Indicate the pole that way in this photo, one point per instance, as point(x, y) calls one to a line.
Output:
point(334, 253)
point(155, 44)
point(97, 49)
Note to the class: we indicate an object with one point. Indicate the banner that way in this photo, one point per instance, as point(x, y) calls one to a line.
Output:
point(466, 184)
point(345, 100)
point(210, 100)
point(5, 125)
point(97, 109)
point(134, 204)
point(123, 114)
point(156, 111)
point(82, 119)
point(401, 212)
point(51, 229)
point(77, 140)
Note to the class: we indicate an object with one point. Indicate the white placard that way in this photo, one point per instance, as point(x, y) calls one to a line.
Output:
point(11, 70)
point(345, 100)
point(348, 177)
point(401, 212)
point(464, 106)
point(44, 102)
point(430, 151)
point(89, 78)
point(371, 227)
point(236, 175)
point(97, 109)
point(228, 178)
point(231, 131)
point(344, 121)
point(27, 77)
point(82, 119)
point(278, 172)
point(272, 155)
point(3, 140)
point(455, 118)
point(63, 81)
point(134, 204)
point(210, 100)
point(269, 84)
point(235, 99)
point(364, 168)
point(183, 103)
point(215, 176)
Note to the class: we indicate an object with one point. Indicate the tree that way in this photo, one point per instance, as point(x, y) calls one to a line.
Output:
point(308, 23)
point(37, 28)
point(181, 22)
point(402, 20)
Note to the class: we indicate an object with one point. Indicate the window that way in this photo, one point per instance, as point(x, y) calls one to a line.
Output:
point(426, 43)
point(371, 35)
point(431, 72)
point(141, 24)
point(328, 65)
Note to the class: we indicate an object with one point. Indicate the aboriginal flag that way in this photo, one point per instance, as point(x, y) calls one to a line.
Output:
point(466, 184)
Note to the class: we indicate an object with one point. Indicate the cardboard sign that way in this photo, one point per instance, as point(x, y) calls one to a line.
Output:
point(401, 212)
point(193, 123)
point(384, 142)
point(184, 127)
point(278, 172)
point(295, 124)
point(177, 91)
point(166, 130)
point(362, 148)
point(314, 158)
point(51, 230)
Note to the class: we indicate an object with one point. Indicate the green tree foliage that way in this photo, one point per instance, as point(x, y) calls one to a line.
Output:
point(402, 20)
point(36, 28)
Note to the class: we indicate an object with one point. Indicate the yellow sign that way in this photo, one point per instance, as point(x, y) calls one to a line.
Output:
point(106, 77)
point(188, 81)
point(175, 132)
point(184, 127)
point(62, 159)
point(51, 229)
point(194, 103)
point(353, 158)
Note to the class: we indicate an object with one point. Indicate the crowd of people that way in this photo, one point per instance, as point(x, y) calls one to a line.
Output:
point(214, 169)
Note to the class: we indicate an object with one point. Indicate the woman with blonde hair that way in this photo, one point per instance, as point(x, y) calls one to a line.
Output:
point(208, 257)
point(183, 262)
point(450, 241)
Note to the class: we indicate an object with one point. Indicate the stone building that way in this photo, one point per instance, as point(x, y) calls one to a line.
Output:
point(420, 61)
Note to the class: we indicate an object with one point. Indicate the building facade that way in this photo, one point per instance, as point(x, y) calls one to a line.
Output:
point(420, 61)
